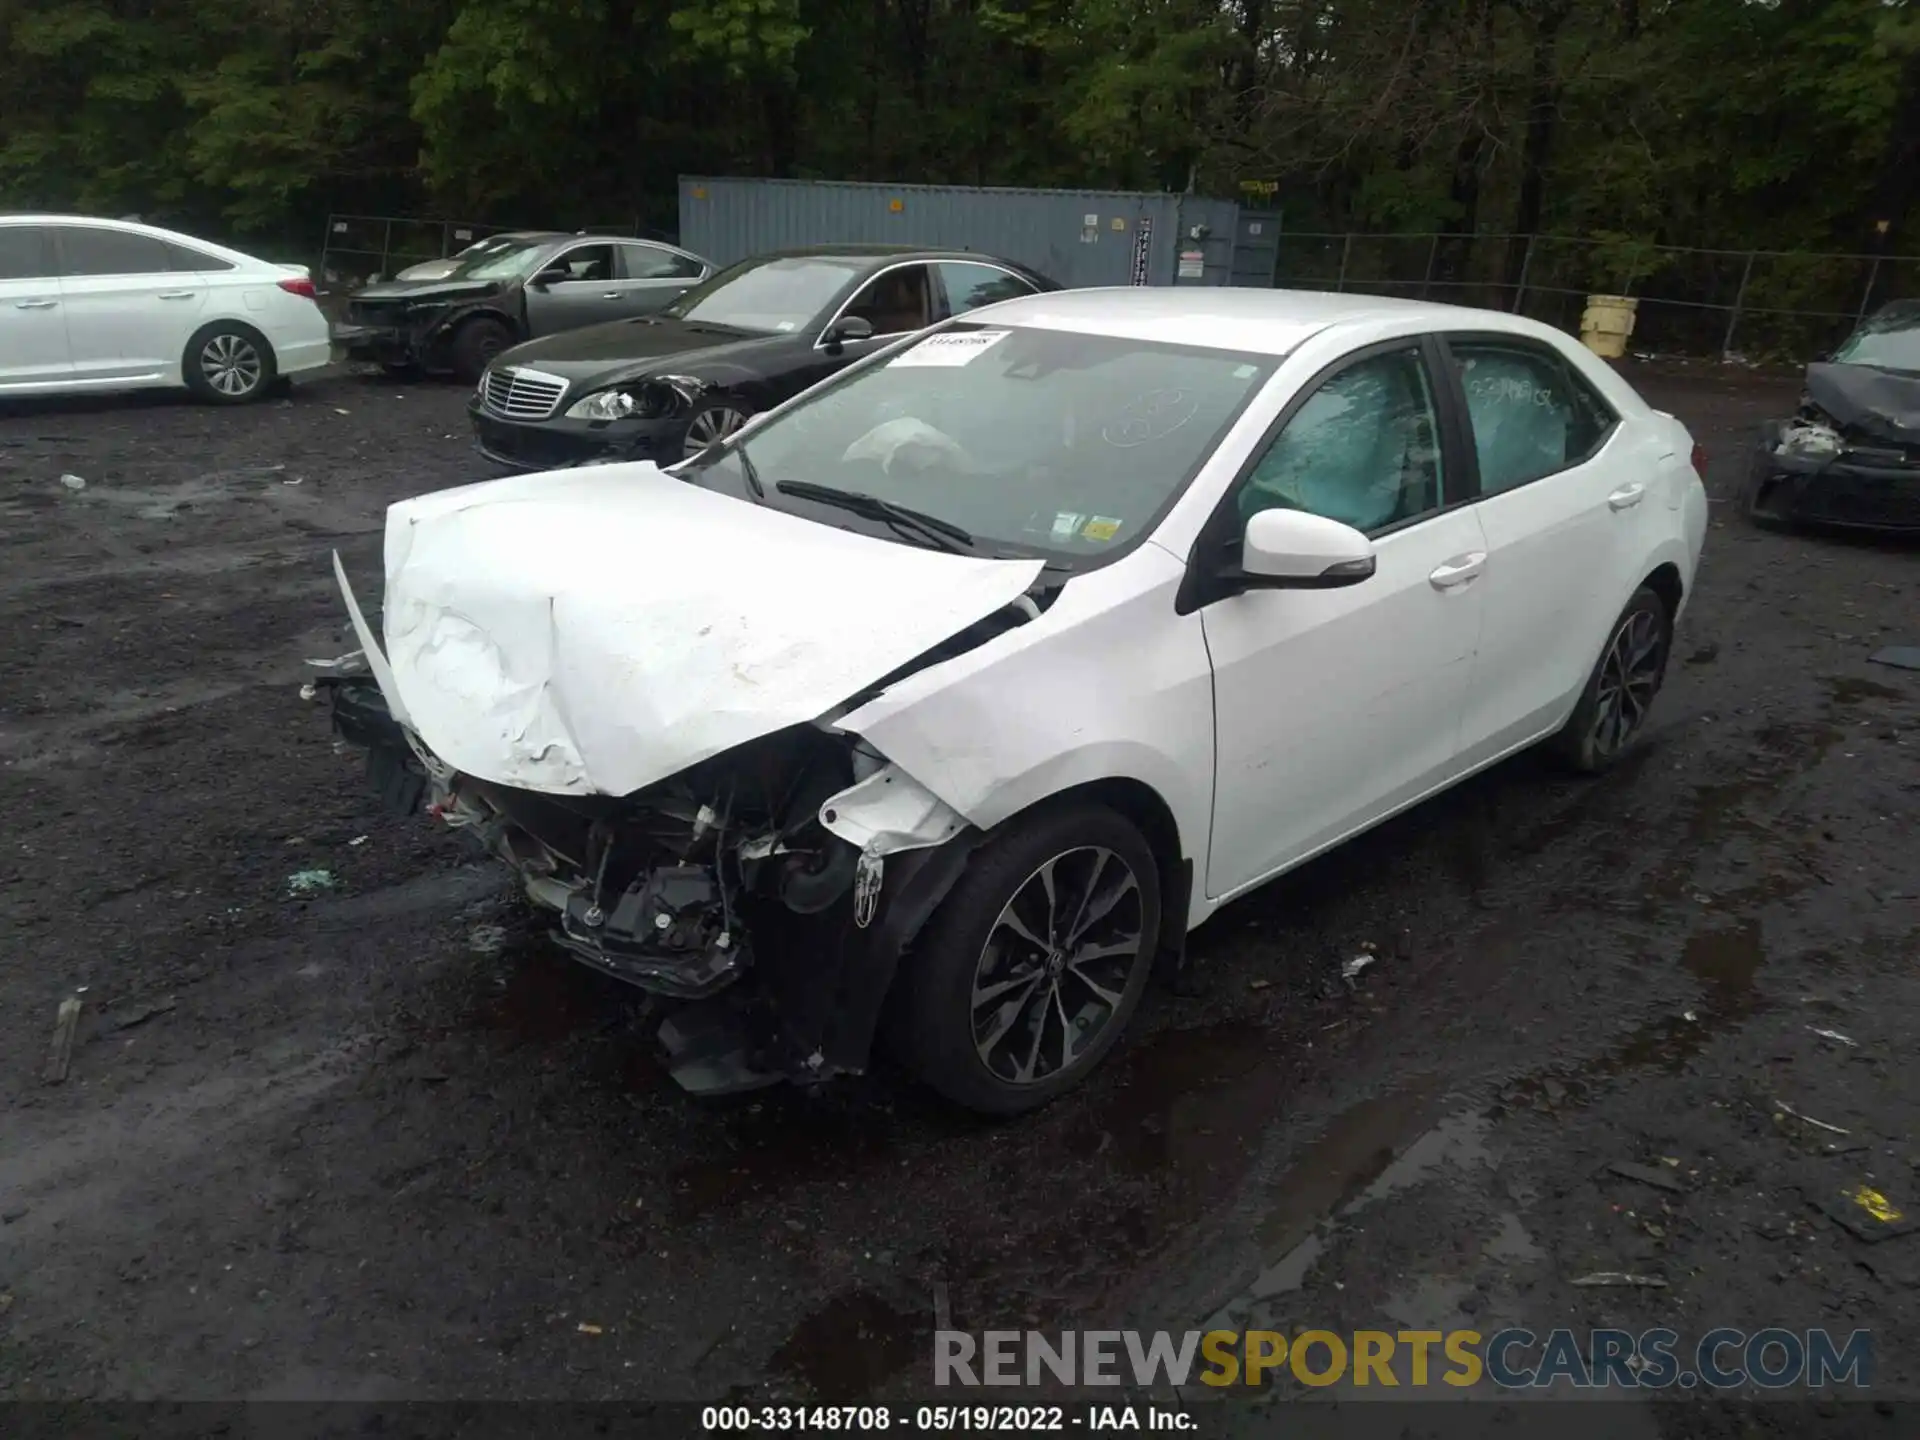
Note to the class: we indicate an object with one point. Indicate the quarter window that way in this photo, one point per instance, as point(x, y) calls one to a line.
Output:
point(1363, 449)
point(970, 286)
point(24, 253)
point(182, 257)
point(85, 250)
point(1531, 416)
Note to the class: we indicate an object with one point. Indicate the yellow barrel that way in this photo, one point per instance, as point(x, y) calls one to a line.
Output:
point(1607, 323)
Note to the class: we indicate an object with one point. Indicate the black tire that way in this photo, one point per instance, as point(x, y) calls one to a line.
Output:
point(708, 423)
point(936, 1009)
point(475, 344)
point(227, 363)
point(1586, 745)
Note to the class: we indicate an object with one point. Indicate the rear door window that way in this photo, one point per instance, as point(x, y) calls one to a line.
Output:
point(650, 262)
point(89, 250)
point(25, 253)
point(1531, 415)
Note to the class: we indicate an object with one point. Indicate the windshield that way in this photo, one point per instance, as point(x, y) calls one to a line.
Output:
point(508, 260)
point(1890, 340)
point(1032, 441)
point(775, 296)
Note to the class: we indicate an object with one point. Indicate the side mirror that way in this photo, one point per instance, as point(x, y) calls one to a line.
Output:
point(847, 327)
point(1292, 550)
point(552, 276)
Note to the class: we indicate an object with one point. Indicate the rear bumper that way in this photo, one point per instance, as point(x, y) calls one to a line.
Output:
point(1844, 491)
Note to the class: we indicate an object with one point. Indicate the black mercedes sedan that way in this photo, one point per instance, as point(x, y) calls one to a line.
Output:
point(660, 386)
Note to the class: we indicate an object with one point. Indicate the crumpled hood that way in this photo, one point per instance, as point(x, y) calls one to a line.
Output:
point(596, 630)
point(1882, 403)
point(422, 291)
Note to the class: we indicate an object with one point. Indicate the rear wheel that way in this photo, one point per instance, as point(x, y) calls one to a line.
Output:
point(1026, 977)
point(227, 363)
point(1613, 708)
point(474, 346)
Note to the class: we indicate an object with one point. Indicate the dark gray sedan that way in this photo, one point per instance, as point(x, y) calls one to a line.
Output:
point(531, 287)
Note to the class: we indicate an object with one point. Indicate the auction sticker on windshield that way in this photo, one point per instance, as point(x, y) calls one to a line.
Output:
point(955, 347)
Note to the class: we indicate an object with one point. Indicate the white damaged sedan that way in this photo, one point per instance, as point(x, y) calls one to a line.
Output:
point(935, 707)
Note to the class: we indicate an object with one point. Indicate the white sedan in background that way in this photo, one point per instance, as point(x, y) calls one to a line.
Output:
point(935, 704)
point(88, 304)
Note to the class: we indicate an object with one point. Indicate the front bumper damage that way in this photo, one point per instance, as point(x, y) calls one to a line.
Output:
point(722, 889)
point(1808, 470)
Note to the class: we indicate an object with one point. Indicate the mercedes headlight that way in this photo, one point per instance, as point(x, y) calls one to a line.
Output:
point(606, 405)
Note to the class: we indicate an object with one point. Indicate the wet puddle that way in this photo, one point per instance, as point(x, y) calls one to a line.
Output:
point(1193, 1102)
point(1851, 690)
point(1725, 962)
point(845, 1349)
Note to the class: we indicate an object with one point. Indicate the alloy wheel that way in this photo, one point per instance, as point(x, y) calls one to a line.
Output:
point(1056, 964)
point(1629, 676)
point(711, 425)
point(231, 364)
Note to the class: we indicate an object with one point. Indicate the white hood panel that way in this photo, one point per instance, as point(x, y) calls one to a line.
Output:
point(598, 629)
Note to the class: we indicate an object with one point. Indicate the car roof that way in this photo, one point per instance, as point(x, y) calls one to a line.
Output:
point(1259, 321)
point(857, 250)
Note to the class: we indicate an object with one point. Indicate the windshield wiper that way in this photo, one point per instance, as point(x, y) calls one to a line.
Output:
point(943, 533)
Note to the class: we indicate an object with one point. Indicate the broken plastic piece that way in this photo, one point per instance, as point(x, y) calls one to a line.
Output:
point(1786, 1109)
point(1845, 1040)
point(1351, 970)
point(309, 882)
point(73, 482)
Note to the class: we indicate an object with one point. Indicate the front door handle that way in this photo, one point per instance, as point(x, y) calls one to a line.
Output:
point(1458, 570)
point(177, 294)
point(1628, 495)
point(36, 304)
point(611, 295)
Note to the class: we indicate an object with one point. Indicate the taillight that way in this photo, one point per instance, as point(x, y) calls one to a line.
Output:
point(299, 286)
point(1700, 460)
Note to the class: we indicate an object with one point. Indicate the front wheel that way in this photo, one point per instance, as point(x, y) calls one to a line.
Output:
point(474, 346)
point(1027, 975)
point(1613, 708)
point(228, 363)
point(713, 421)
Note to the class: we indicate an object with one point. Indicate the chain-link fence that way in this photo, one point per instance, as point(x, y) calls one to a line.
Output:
point(1758, 304)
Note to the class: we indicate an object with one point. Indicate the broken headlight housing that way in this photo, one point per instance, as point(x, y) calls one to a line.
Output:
point(642, 402)
point(1811, 435)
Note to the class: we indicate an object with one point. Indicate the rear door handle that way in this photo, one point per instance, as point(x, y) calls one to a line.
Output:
point(35, 304)
point(1458, 570)
point(611, 295)
point(177, 294)
point(1628, 495)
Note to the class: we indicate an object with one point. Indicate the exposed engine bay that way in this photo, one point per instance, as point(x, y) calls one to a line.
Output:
point(1849, 455)
point(723, 873)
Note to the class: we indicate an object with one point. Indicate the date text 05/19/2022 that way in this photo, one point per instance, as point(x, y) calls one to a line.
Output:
point(942, 1419)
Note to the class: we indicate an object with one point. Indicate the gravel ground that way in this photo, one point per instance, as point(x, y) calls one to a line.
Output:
point(378, 1142)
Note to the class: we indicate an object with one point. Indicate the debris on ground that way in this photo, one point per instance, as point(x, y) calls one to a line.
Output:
point(1647, 1175)
point(583, 1327)
point(1620, 1278)
point(146, 1013)
point(1259, 984)
point(1845, 1040)
point(1901, 657)
point(340, 662)
point(1865, 1213)
point(65, 1022)
point(357, 840)
point(1786, 1109)
point(73, 482)
point(487, 939)
point(309, 882)
point(1352, 969)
